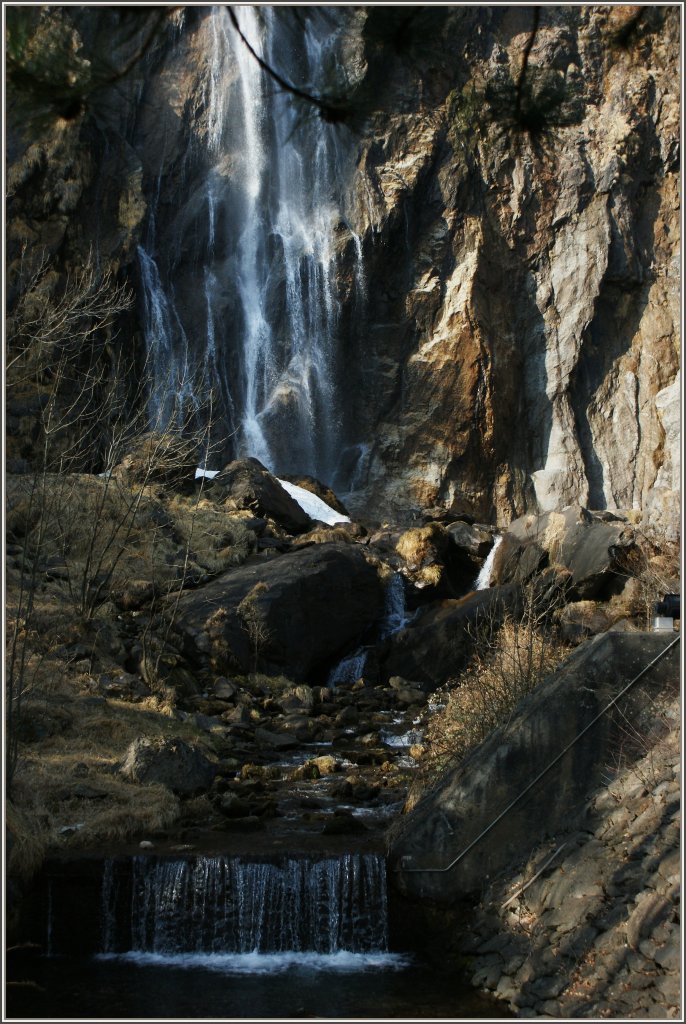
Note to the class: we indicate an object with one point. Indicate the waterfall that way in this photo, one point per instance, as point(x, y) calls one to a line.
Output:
point(349, 669)
point(395, 616)
point(483, 580)
point(395, 611)
point(224, 905)
point(239, 289)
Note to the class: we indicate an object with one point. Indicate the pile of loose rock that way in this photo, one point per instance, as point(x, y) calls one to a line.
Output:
point(590, 926)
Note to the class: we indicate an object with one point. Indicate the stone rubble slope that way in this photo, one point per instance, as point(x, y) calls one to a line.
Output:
point(597, 933)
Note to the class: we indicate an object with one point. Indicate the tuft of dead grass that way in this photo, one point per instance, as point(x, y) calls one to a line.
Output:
point(27, 841)
point(509, 661)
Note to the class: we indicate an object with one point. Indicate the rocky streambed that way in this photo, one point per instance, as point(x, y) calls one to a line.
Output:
point(304, 764)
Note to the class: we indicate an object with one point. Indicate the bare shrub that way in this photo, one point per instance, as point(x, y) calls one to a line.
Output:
point(655, 571)
point(79, 536)
point(253, 623)
point(512, 655)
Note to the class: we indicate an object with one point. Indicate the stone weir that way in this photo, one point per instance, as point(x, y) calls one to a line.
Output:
point(183, 904)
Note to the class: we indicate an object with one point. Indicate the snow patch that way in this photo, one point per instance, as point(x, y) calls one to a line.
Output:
point(312, 505)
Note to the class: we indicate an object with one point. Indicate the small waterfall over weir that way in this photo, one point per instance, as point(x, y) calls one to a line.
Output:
point(240, 286)
point(225, 906)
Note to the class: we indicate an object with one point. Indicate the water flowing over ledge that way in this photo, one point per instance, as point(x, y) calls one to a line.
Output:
point(210, 907)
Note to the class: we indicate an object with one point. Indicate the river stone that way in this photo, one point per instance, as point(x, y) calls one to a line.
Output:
point(170, 762)
point(274, 740)
point(326, 764)
point(224, 689)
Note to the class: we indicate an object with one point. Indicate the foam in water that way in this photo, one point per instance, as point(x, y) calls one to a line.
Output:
point(340, 962)
point(483, 580)
point(221, 905)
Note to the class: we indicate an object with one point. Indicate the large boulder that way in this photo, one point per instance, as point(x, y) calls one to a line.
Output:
point(437, 644)
point(294, 614)
point(593, 547)
point(171, 762)
point(246, 484)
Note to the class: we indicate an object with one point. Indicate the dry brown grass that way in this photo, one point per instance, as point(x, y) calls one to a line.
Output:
point(509, 661)
point(67, 773)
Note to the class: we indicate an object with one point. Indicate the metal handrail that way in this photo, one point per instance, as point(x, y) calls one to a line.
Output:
point(402, 866)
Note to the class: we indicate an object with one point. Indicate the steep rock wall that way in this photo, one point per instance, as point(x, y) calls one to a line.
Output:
point(524, 292)
point(517, 347)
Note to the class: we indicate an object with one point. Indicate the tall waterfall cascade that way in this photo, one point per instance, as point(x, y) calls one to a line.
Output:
point(241, 308)
point(224, 906)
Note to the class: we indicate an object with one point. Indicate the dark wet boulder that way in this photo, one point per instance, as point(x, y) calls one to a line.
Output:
point(292, 615)
point(246, 484)
point(469, 547)
point(170, 762)
point(475, 541)
point(436, 645)
point(590, 546)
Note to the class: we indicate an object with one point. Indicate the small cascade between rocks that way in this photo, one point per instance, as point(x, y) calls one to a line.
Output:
point(483, 580)
point(395, 616)
point(226, 913)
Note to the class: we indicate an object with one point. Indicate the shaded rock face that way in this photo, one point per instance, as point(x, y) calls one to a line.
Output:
point(294, 614)
point(437, 645)
point(515, 344)
point(467, 800)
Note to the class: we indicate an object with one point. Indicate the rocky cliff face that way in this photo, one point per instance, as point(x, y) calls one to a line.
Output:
point(522, 326)
point(517, 347)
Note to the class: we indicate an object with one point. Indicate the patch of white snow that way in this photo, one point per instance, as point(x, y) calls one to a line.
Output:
point(314, 506)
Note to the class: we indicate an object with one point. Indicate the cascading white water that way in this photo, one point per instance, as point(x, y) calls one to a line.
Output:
point(395, 616)
point(254, 297)
point(224, 905)
point(395, 609)
point(483, 580)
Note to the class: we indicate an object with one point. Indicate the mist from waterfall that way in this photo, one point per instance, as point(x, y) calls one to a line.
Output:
point(243, 309)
